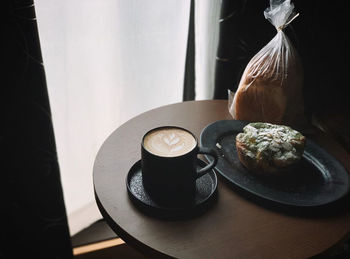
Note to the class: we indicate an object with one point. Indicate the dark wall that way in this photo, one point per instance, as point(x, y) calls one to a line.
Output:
point(33, 217)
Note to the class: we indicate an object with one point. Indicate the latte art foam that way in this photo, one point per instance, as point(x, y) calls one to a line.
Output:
point(169, 142)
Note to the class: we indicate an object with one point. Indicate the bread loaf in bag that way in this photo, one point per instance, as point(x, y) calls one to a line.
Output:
point(270, 89)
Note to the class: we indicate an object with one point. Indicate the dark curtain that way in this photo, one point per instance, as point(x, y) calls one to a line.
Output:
point(190, 78)
point(33, 217)
point(319, 34)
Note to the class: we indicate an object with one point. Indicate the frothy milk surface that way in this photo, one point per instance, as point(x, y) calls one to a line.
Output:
point(169, 142)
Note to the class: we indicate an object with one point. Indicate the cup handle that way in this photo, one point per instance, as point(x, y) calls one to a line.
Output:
point(211, 165)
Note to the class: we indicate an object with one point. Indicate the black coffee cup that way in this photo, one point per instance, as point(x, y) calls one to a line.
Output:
point(169, 164)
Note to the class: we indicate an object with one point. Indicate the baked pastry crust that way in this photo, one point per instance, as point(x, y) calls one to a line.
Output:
point(269, 148)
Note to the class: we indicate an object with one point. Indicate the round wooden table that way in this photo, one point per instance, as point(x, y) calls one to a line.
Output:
point(234, 227)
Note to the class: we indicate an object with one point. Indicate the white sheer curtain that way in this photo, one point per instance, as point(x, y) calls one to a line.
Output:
point(207, 15)
point(106, 61)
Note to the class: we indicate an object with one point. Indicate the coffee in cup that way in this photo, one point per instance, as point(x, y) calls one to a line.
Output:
point(169, 142)
point(169, 164)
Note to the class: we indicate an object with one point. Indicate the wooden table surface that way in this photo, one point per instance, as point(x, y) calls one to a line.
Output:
point(236, 226)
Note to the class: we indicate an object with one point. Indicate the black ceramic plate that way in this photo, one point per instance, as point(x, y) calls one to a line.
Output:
point(205, 195)
point(317, 180)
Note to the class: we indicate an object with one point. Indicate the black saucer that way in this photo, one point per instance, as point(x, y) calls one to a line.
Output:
point(205, 195)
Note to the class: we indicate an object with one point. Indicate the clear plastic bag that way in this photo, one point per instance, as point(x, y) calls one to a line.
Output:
point(270, 89)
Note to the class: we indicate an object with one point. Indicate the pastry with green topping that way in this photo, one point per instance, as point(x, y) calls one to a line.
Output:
point(265, 147)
